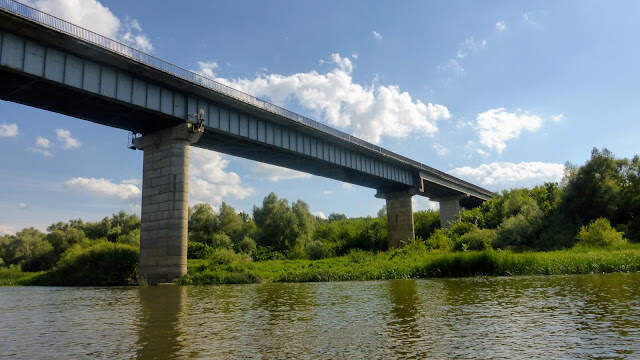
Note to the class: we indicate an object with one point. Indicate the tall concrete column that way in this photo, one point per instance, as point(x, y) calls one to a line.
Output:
point(399, 218)
point(449, 209)
point(165, 192)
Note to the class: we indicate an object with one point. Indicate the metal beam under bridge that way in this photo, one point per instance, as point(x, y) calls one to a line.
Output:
point(51, 64)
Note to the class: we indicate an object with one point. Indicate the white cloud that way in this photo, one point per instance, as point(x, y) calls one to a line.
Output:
point(327, 192)
point(470, 45)
point(7, 230)
point(319, 214)
point(376, 35)
point(104, 187)
point(68, 142)
point(440, 150)
point(43, 142)
point(208, 180)
point(347, 186)
point(38, 150)
point(558, 117)
point(496, 126)
point(501, 175)
point(368, 112)
point(276, 173)
point(8, 130)
point(207, 67)
point(132, 181)
point(501, 26)
point(527, 17)
point(421, 203)
point(453, 66)
point(22, 205)
point(92, 15)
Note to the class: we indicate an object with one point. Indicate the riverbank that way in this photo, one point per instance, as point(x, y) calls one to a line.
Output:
point(407, 263)
point(411, 263)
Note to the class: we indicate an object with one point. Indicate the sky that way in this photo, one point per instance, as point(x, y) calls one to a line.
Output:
point(501, 93)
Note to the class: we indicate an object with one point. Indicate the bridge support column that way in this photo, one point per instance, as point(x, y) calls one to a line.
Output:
point(399, 218)
point(449, 209)
point(165, 191)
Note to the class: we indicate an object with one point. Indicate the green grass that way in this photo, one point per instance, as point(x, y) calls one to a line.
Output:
point(406, 264)
point(14, 276)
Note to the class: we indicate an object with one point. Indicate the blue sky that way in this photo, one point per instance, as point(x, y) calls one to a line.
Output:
point(499, 93)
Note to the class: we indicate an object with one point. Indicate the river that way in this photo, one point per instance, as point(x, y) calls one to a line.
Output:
point(554, 317)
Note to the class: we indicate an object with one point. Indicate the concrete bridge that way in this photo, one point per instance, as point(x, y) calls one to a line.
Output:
point(51, 64)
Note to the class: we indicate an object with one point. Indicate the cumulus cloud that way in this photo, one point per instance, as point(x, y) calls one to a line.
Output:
point(207, 67)
point(558, 117)
point(7, 230)
point(421, 203)
point(376, 35)
point(276, 173)
point(8, 130)
point(92, 15)
point(68, 141)
point(22, 205)
point(501, 26)
point(496, 126)
point(368, 112)
point(104, 187)
point(319, 214)
point(43, 142)
point(502, 175)
point(210, 182)
point(43, 152)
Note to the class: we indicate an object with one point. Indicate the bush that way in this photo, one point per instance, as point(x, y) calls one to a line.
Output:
point(101, 264)
point(247, 245)
point(425, 223)
point(439, 240)
point(517, 231)
point(315, 250)
point(198, 250)
point(226, 257)
point(599, 234)
point(220, 240)
point(479, 239)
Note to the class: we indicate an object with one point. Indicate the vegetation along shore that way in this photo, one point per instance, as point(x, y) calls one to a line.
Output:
point(588, 223)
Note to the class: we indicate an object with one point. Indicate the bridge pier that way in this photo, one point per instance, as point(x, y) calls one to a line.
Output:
point(399, 218)
point(165, 191)
point(449, 209)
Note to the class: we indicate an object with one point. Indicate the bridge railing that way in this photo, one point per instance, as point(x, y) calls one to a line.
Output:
point(78, 32)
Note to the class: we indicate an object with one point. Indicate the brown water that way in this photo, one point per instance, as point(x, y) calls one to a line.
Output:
point(592, 316)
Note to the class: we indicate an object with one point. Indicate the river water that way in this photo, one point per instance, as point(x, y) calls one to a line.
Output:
point(555, 317)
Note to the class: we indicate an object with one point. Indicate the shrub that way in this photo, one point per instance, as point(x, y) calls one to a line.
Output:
point(226, 257)
point(439, 240)
point(315, 250)
point(479, 239)
point(264, 253)
point(599, 233)
point(198, 250)
point(247, 245)
point(101, 264)
point(220, 240)
point(425, 223)
point(517, 231)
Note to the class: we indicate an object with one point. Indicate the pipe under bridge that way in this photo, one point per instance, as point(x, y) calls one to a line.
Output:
point(48, 63)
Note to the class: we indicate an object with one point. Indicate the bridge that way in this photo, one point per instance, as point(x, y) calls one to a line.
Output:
point(48, 63)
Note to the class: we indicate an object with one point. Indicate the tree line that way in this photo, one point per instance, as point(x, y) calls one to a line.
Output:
point(596, 204)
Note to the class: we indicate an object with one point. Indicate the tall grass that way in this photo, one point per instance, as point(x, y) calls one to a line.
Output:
point(417, 263)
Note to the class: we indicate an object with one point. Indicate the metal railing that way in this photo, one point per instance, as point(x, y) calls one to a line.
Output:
point(89, 36)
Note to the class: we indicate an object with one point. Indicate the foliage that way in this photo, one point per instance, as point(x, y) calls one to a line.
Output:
point(439, 240)
point(479, 239)
point(315, 250)
point(599, 234)
point(425, 223)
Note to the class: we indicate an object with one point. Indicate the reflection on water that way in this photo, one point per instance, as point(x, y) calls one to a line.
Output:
point(592, 316)
point(161, 333)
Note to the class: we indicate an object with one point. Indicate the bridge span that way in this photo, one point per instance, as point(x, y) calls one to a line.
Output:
point(48, 63)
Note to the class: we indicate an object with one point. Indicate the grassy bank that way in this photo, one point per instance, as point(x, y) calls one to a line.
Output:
point(416, 263)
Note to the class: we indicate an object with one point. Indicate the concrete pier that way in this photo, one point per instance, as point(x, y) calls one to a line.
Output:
point(449, 209)
point(399, 218)
point(165, 191)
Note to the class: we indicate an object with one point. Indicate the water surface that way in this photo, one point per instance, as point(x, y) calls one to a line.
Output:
point(587, 316)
